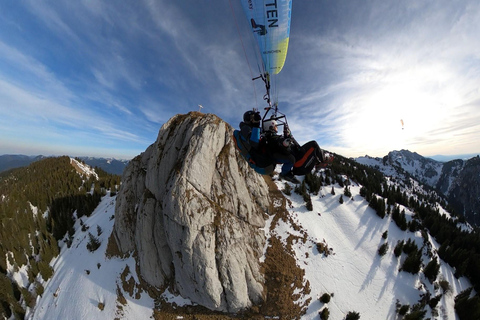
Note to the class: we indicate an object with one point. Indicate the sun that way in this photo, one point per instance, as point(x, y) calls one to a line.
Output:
point(397, 115)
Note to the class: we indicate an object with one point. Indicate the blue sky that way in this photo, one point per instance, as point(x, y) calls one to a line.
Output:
point(99, 78)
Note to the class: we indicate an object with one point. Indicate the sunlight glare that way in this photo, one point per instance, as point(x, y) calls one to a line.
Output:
point(422, 104)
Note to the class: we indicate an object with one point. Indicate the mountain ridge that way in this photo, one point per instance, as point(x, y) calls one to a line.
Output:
point(110, 165)
point(340, 230)
point(457, 180)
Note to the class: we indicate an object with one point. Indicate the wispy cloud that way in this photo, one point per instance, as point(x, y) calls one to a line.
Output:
point(119, 70)
point(421, 66)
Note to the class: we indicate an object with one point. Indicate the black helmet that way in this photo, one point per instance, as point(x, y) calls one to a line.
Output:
point(248, 116)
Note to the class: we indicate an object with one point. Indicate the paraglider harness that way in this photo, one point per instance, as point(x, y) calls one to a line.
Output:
point(307, 156)
point(247, 140)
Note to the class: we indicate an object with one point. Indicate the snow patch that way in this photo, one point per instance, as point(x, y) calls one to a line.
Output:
point(83, 168)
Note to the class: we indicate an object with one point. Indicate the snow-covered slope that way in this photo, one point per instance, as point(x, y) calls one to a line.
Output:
point(457, 180)
point(83, 169)
point(357, 278)
point(87, 285)
point(395, 163)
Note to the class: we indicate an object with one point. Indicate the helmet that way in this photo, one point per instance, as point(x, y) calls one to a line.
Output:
point(270, 125)
point(248, 116)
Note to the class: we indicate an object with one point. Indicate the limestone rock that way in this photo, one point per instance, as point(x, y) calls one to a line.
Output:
point(193, 211)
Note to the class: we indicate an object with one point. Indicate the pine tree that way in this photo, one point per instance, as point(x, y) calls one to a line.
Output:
point(398, 249)
point(347, 192)
point(413, 262)
point(93, 244)
point(382, 250)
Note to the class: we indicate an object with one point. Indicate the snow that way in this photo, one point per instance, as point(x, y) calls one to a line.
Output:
point(378, 164)
point(266, 230)
point(356, 276)
point(83, 168)
point(19, 275)
point(177, 300)
point(84, 280)
point(416, 166)
point(33, 208)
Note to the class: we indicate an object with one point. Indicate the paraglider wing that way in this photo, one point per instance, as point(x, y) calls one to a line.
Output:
point(270, 22)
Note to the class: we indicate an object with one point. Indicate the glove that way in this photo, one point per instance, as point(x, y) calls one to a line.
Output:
point(286, 143)
point(286, 132)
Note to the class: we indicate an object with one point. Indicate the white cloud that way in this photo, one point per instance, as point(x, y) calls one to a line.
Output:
point(423, 71)
point(352, 71)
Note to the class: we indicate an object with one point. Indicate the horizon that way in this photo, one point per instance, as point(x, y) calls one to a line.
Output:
point(358, 78)
point(438, 157)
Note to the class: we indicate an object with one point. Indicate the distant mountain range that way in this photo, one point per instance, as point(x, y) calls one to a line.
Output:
point(457, 180)
point(224, 242)
point(11, 161)
point(443, 158)
point(110, 165)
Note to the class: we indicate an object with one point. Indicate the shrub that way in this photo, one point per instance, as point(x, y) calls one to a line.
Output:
point(383, 249)
point(287, 189)
point(99, 230)
point(352, 315)
point(309, 204)
point(445, 285)
point(322, 247)
point(93, 244)
point(325, 298)
point(385, 235)
point(324, 314)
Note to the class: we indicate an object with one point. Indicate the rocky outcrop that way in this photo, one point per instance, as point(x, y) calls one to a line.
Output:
point(193, 212)
point(464, 190)
point(423, 169)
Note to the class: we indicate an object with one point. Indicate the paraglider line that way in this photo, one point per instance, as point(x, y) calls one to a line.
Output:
point(244, 51)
